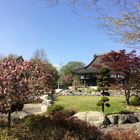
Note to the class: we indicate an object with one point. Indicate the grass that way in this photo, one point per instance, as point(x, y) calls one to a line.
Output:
point(88, 103)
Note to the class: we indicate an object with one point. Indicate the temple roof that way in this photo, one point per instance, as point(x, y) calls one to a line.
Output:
point(90, 68)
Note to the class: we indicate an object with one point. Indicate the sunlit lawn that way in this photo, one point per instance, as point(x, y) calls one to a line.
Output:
point(88, 103)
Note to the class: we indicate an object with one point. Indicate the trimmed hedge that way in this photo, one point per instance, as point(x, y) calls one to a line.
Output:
point(134, 100)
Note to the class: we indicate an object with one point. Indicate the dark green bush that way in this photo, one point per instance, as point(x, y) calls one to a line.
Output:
point(106, 83)
point(107, 105)
point(69, 112)
point(103, 71)
point(55, 108)
point(100, 77)
point(125, 112)
point(99, 84)
point(99, 103)
point(106, 78)
point(105, 99)
point(17, 106)
point(134, 100)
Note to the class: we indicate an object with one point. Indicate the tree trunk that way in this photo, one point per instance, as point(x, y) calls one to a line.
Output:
point(102, 106)
point(9, 120)
point(127, 96)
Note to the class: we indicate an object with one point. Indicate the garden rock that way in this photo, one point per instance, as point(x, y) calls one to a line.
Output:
point(113, 119)
point(137, 115)
point(132, 118)
point(20, 114)
point(106, 121)
point(93, 117)
point(45, 104)
point(123, 118)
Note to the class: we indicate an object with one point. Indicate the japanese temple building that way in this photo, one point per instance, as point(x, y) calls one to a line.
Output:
point(88, 74)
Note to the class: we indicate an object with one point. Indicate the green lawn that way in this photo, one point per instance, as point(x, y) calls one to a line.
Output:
point(88, 103)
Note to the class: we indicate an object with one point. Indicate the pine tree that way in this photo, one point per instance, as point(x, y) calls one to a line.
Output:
point(103, 83)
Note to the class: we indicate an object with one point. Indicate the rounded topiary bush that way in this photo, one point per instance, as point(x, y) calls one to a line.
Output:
point(69, 112)
point(103, 71)
point(99, 84)
point(99, 103)
point(105, 99)
point(106, 78)
point(134, 100)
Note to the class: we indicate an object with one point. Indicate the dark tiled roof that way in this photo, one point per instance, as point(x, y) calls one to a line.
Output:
point(90, 68)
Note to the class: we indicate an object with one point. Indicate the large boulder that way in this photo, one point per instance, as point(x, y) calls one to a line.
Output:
point(123, 118)
point(113, 119)
point(93, 117)
point(132, 118)
point(137, 115)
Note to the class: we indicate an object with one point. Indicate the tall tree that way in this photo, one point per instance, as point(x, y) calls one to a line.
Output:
point(13, 83)
point(40, 55)
point(43, 77)
point(123, 65)
point(21, 79)
point(66, 73)
point(124, 24)
point(103, 83)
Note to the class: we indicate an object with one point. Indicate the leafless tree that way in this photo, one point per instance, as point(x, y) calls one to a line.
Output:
point(118, 18)
point(40, 54)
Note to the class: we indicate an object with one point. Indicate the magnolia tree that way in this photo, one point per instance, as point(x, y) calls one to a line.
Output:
point(43, 78)
point(13, 83)
point(21, 79)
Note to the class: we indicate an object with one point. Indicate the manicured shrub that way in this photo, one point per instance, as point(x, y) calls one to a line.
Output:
point(103, 71)
point(69, 112)
point(99, 84)
point(55, 108)
point(99, 103)
point(134, 100)
point(103, 83)
point(106, 78)
point(107, 104)
point(105, 99)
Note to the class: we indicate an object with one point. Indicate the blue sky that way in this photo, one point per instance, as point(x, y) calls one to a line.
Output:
point(26, 25)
